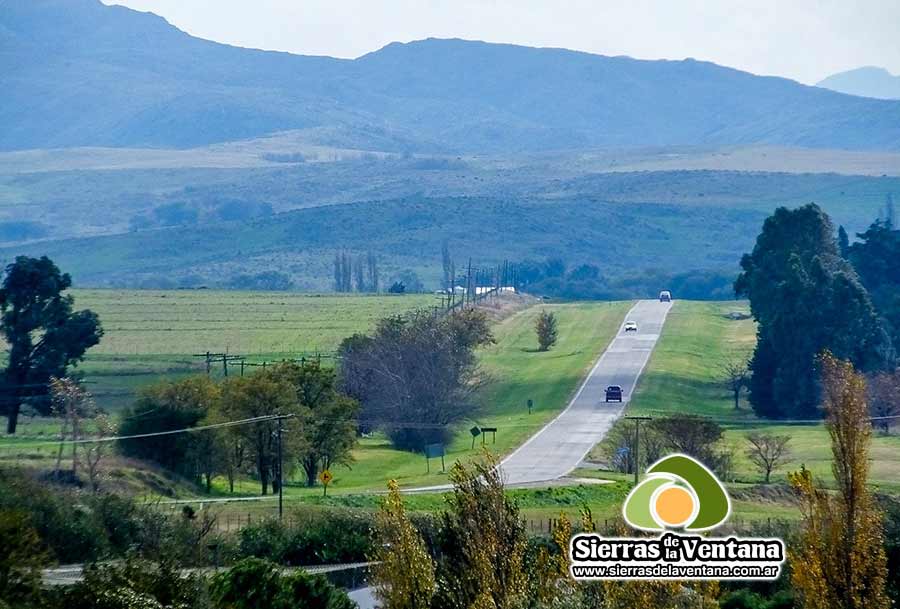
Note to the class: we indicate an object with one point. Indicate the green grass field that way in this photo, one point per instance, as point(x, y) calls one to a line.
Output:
point(683, 375)
point(518, 372)
point(150, 334)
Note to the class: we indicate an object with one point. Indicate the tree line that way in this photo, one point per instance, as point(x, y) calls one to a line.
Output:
point(319, 430)
point(414, 378)
point(559, 278)
point(360, 273)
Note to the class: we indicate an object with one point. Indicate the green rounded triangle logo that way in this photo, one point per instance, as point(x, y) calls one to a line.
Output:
point(679, 492)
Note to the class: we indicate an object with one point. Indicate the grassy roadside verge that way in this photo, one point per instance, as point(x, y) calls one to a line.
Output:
point(683, 375)
point(518, 372)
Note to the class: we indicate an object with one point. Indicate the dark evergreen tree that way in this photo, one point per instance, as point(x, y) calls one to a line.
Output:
point(372, 266)
point(876, 257)
point(338, 283)
point(843, 242)
point(806, 299)
point(359, 276)
point(44, 335)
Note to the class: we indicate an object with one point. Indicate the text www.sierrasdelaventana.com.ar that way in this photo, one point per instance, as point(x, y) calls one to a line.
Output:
point(673, 556)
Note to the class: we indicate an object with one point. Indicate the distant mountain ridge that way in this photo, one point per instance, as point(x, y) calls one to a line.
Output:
point(868, 81)
point(79, 73)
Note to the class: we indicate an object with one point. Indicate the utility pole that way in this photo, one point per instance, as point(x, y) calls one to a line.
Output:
point(637, 443)
point(280, 472)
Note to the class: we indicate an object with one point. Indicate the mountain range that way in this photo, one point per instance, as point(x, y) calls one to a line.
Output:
point(868, 81)
point(80, 73)
point(134, 154)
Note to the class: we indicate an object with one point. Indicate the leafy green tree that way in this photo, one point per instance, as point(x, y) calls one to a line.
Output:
point(264, 394)
point(167, 406)
point(546, 328)
point(806, 299)
point(258, 584)
point(330, 430)
point(45, 336)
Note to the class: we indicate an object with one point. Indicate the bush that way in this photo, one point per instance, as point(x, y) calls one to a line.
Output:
point(21, 558)
point(165, 406)
point(322, 536)
point(62, 518)
point(745, 599)
point(136, 584)
point(78, 527)
point(259, 584)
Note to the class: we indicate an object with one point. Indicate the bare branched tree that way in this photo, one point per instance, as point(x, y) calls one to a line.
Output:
point(72, 404)
point(736, 377)
point(97, 452)
point(768, 451)
point(416, 375)
point(884, 399)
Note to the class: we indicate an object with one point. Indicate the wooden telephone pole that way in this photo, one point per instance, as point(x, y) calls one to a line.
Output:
point(637, 443)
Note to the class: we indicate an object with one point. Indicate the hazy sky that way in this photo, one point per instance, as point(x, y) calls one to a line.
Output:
point(801, 39)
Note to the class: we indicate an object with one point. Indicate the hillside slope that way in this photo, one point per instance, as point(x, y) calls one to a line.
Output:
point(868, 81)
point(76, 72)
point(408, 233)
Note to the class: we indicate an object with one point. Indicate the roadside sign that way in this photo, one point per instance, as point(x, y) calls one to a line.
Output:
point(326, 478)
point(475, 431)
point(432, 451)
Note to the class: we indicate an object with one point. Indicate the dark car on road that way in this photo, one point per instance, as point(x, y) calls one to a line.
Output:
point(613, 393)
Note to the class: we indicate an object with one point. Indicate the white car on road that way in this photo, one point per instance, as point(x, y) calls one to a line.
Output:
point(630, 326)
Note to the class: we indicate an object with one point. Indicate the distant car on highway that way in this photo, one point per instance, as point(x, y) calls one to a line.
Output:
point(665, 296)
point(631, 326)
point(613, 393)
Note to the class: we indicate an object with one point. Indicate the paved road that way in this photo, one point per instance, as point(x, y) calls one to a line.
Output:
point(364, 598)
point(559, 447)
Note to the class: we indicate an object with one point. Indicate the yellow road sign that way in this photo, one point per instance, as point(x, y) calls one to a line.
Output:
point(325, 477)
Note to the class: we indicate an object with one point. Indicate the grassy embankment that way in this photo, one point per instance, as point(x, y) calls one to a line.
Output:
point(684, 375)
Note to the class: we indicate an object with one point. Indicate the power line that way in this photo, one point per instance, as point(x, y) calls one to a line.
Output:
point(404, 424)
point(259, 419)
